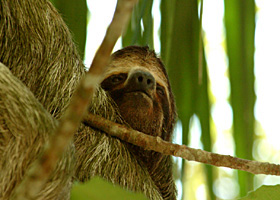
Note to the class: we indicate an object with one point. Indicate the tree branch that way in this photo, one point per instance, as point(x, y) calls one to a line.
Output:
point(157, 144)
point(40, 173)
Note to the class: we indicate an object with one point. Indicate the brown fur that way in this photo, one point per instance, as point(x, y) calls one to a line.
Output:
point(37, 47)
point(25, 127)
point(148, 111)
point(141, 58)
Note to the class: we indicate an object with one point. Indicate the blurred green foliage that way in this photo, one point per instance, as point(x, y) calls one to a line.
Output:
point(180, 44)
point(140, 29)
point(240, 35)
point(74, 13)
point(99, 189)
point(263, 193)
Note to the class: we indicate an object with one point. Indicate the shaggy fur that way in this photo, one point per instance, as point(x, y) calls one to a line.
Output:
point(25, 127)
point(148, 108)
point(37, 47)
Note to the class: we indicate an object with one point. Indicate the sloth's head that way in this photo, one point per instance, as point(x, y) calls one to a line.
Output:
point(137, 81)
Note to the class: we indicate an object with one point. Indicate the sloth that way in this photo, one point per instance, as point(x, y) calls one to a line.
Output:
point(44, 68)
point(137, 81)
point(137, 86)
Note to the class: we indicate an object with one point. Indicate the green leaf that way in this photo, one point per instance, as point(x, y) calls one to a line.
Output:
point(74, 13)
point(179, 43)
point(100, 189)
point(203, 113)
point(136, 34)
point(148, 23)
point(167, 9)
point(240, 33)
point(127, 36)
point(133, 35)
point(264, 193)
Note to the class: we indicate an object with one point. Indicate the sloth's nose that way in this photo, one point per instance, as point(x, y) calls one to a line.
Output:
point(142, 80)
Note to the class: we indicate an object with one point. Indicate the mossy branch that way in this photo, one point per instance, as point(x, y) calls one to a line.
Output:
point(40, 172)
point(157, 144)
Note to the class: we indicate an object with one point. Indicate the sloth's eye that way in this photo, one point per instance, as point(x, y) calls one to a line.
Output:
point(160, 90)
point(113, 81)
point(117, 78)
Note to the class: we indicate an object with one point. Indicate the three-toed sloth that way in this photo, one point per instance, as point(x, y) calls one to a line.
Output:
point(138, 83)
point(42, 73)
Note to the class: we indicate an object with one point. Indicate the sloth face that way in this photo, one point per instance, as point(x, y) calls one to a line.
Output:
point(136, 81)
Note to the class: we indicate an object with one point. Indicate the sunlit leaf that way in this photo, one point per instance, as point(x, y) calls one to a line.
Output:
point(264, 193)
point(100, 189)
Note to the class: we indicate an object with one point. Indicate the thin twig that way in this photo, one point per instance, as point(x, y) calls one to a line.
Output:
point(40, 173)
point(157, 144)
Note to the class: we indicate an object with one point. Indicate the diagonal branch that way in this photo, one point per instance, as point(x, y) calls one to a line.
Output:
point(40, 173)
point(157, 144)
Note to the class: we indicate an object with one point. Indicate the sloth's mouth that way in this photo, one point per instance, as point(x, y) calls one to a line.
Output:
point(140, 92)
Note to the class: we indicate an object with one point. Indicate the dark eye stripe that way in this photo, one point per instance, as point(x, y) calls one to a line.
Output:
point(112, 81)
point(117, 78)
point(160, 90)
